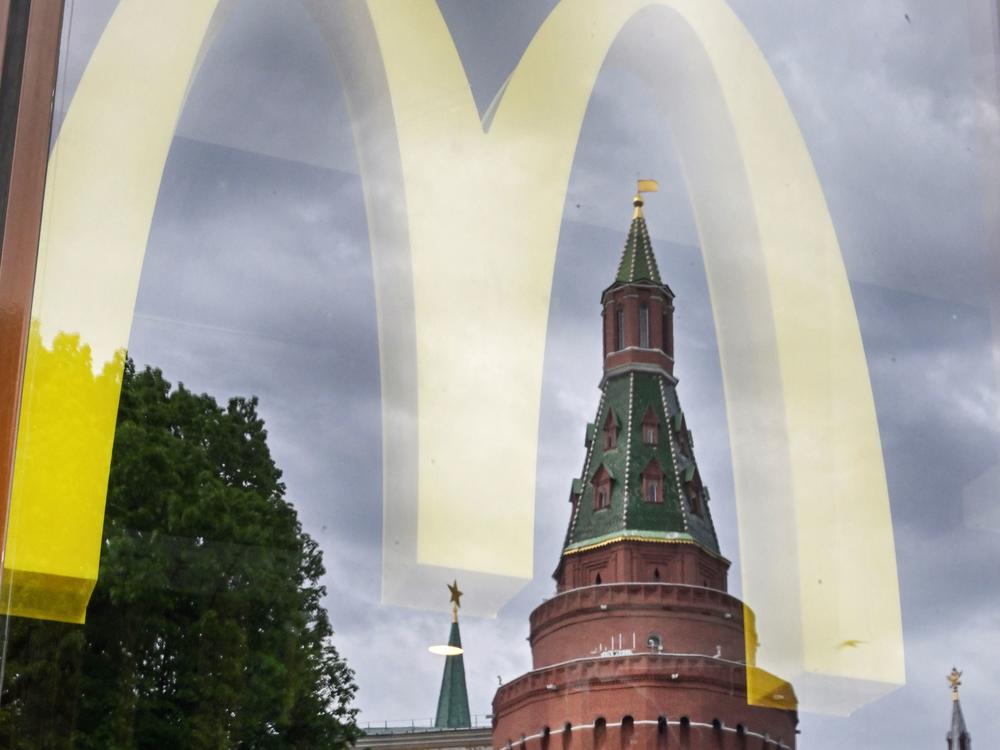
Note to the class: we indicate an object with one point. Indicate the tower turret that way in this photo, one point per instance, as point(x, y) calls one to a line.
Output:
point(640, 510)
point(638, 308)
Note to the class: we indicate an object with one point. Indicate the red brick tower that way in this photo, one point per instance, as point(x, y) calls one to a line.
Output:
point(641, 646)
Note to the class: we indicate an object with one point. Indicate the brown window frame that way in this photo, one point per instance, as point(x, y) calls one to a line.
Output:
point(29, 61)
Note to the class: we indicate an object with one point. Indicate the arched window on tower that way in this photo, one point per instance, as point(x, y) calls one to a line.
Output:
point(600, 733)
point(644, 325)
point(619, 329)
point(627, 733)
point(602, 488)
point(652, 482)
point(603, 498)
point(650, 428)
point(685, 731)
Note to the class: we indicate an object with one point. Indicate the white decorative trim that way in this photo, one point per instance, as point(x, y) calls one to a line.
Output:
point(628, 449)
point(635, 655)
point(631, 270)
point(673, 456)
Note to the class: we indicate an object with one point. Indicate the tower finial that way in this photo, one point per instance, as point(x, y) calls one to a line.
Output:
point(955, 679)
point(643, 186)
point(456, 597)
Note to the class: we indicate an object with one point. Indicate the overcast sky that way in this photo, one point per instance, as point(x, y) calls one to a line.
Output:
point(258, 280)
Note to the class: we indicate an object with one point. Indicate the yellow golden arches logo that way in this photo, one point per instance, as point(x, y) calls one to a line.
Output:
point(816, 537)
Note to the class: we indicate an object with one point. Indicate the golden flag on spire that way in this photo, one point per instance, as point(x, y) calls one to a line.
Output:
point(642, 186)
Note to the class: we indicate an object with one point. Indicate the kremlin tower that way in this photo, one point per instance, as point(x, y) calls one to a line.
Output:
point(641, 645)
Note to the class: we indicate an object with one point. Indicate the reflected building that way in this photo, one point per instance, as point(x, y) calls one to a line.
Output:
point(641, 645)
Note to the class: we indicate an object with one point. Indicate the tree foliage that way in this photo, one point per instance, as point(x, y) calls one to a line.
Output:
point(206, 629)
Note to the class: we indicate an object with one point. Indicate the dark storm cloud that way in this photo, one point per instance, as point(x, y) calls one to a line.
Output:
point(258, 281)
point(890, 110)
point(272, 63)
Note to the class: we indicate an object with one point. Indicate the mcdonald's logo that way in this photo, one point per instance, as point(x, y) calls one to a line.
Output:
point(804, 439)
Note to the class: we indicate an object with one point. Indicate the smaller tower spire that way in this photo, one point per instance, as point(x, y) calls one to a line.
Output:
point(958, 736)
point(453, 701)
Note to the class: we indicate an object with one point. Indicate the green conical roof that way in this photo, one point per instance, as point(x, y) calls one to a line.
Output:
point(453, 702)
point(638, 262)
point(634, 399)
point(631, 399)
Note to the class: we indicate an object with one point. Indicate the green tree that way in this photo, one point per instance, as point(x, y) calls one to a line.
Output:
point(206, 629)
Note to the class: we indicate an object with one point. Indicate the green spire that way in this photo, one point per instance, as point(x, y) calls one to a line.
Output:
point(638, 262)
point(453, 702)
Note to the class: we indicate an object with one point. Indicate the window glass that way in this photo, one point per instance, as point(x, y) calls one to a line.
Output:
point(308, 272)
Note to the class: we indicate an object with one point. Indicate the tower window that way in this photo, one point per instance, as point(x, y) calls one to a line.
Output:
point(603, 497)
point(650, 428)
point(619, 329)
point(644, 325)
point(693, 498)
point(652, 492)
point(610, 431)
point(602, 489)
point(652, 483)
